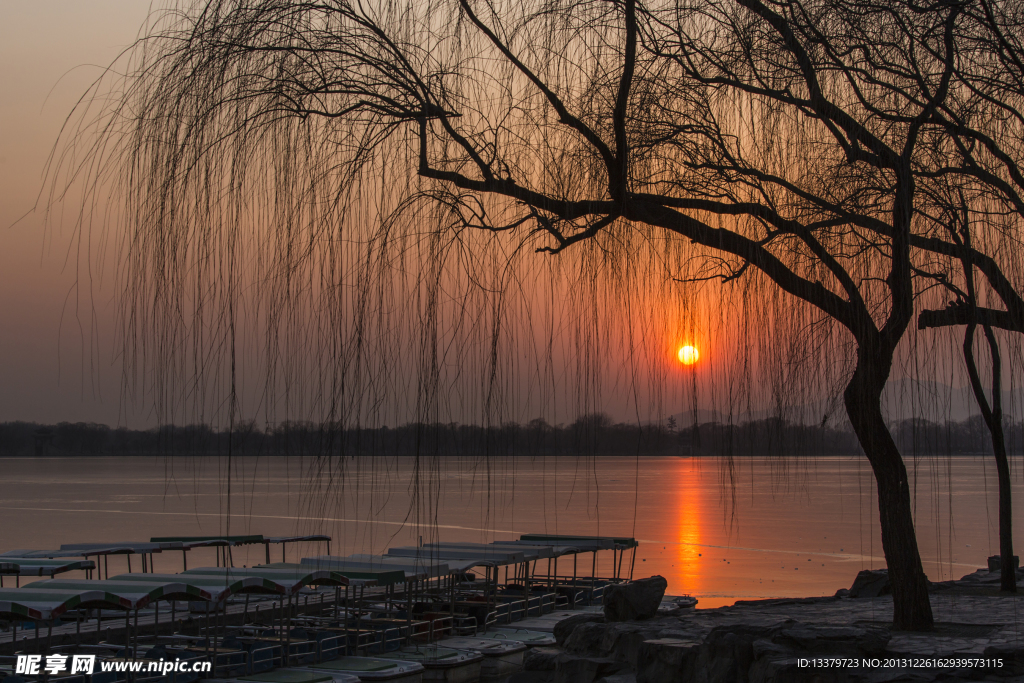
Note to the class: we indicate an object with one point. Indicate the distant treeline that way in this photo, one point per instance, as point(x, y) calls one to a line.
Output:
point(594, 434)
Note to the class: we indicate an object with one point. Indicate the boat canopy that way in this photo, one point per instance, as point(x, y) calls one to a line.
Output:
point(249, 539)
point(228, 584)
point(201, 541)
point(143, 592)
point(354, 578)
point(586, 543)
point(498, 557)
point(34, 566)
point(46, 604)
point(530, 552)
point(127, 548)
point(413, 569)
point(298, 539)
point(293, 578)
point(358, 574)
point(556, 550)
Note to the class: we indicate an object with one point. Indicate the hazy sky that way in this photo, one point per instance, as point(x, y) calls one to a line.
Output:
point(58, 345)
point(58, 337)
point(50, 51)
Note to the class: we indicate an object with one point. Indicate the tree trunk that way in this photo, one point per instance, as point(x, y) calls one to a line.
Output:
point(912, 610)
point(993, 414)
point(1008, 577)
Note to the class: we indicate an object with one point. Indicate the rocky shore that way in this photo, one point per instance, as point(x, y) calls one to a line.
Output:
point(978, 636)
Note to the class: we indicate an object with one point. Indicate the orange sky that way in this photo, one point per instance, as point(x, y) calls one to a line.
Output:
point(49, 52)
point(58, 344)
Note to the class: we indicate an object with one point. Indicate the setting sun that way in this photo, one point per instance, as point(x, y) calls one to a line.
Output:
point(688, 355)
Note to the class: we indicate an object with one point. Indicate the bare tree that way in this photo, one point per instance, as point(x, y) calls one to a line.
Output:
point(965, 310)
point(798, 144)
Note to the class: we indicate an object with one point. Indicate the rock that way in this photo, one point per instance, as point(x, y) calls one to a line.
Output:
point(871, 583)
point(566, 626)
point(619, 640)
point(541, 659)
point(778, 602)
point(636, 600)
point(587, 669)
point(666, 660)
point(993, 563)
point(588, 639)
point(532, 677)
point(618, 678)
point(1013, 658)
point(727, 652)
point(820, 640)
point(843, 593)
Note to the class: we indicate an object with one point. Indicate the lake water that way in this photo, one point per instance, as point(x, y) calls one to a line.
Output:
point(755, 528)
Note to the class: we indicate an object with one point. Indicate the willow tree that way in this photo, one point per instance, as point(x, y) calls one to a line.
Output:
point(790, 142)
point(978, 200)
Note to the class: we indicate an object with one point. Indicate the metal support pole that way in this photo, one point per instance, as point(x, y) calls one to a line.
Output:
point(575, 556)
point(288, 627)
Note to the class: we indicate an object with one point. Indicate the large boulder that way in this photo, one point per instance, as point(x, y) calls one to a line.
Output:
point(635, 600)
point(995, 563)
point(565, 627)
point(871, 583)
point(823, 640)
point(667, 660)
point(587, 669)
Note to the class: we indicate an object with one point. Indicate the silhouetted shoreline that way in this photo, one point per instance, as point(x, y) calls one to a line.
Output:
point(591, 435)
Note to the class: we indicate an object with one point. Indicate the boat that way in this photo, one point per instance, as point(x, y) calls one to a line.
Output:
point(292, 675)
point(443, 664)
point(373, 669)
point(502, 658)
point(531, 638)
